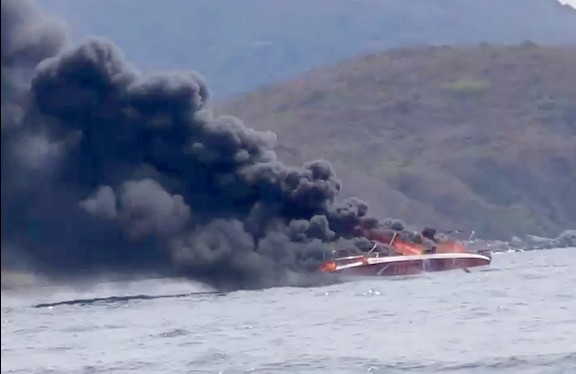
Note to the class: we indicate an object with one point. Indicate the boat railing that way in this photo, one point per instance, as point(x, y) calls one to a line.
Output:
point(353, 257)
point(372, 249)
point(376, 244)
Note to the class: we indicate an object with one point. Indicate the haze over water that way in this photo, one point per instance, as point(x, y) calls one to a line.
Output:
point(515, 316)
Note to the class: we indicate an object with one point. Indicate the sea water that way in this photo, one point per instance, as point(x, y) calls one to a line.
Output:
point(517, 315)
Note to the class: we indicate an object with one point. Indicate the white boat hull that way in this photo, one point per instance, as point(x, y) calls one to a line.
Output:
point(405, 265)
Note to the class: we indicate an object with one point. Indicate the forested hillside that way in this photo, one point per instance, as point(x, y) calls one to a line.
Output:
point(478, 137)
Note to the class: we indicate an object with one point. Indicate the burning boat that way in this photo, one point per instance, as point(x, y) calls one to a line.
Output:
point(402, 257)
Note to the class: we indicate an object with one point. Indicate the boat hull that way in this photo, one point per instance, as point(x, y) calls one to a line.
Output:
point(408, 265)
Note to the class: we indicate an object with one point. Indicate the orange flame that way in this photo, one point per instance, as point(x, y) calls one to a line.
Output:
point(450, 246)
point(328, 267)
point(406, 248)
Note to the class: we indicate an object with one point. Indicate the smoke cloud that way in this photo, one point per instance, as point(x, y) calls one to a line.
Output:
point(107, 169)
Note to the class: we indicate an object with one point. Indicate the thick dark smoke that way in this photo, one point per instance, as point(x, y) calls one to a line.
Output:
point(107, 169)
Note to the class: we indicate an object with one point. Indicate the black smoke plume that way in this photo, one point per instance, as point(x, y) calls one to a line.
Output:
point(107, 169)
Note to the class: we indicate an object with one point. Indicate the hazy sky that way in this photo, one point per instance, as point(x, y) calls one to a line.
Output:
point(571, 2)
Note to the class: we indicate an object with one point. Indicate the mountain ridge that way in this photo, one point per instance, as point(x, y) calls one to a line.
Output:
point(479, 136)
point(240, 46)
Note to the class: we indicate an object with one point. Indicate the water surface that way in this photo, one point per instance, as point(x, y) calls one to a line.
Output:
point(516, 316)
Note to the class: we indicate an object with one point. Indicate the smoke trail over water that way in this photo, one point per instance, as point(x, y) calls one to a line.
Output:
point(104, 168)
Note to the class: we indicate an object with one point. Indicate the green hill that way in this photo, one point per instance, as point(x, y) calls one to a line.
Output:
point(479, 137)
